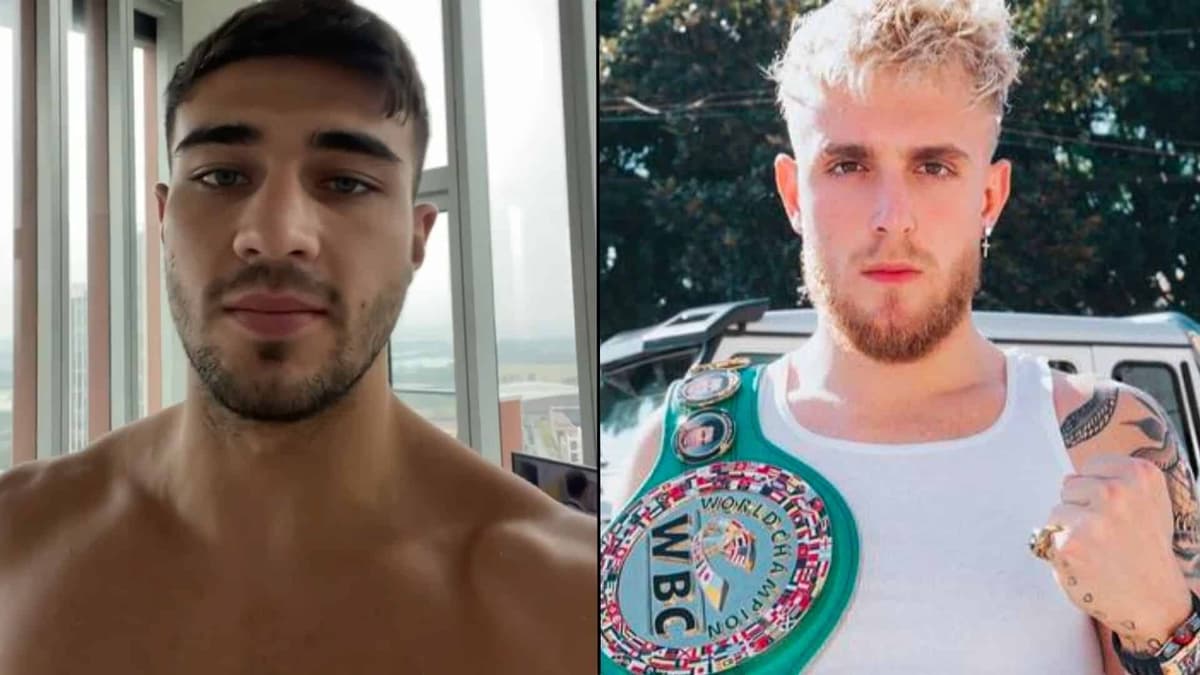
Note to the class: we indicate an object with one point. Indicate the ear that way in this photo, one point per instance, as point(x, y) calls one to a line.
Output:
point(785, 184)
point(160, 196)
point(995, 192)
point(424, 216)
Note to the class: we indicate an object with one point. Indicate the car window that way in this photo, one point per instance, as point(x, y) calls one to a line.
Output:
point(629, 394)
point(1158, 380)
point(1064, 365)
point(757, 358)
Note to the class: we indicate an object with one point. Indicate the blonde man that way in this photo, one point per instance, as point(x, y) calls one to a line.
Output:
point(932, 450)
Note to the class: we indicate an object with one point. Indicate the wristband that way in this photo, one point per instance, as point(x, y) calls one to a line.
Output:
point(1179, 656)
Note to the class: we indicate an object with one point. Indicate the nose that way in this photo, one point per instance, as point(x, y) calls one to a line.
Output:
point(278, 221)
point(893, 207)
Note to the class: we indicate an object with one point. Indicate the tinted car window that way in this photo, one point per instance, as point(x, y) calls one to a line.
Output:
point(1064, 366)
point(629, 394)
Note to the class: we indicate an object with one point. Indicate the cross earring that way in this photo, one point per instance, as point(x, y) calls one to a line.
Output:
point(986, 243)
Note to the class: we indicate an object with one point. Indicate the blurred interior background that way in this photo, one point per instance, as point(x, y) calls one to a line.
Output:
point(497, 340)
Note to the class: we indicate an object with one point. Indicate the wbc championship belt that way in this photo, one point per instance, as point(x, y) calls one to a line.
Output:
point(733, 556)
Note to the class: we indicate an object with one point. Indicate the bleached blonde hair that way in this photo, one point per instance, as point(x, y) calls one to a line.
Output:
point(844, 43)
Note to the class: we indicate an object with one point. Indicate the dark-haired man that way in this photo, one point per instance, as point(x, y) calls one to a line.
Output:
point(291, 516)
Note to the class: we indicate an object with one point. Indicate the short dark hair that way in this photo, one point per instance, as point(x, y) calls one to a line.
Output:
point(338, 32)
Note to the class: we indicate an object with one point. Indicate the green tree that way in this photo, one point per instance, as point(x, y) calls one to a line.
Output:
point(1102, 131)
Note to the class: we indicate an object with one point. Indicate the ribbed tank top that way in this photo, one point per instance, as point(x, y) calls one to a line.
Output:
point(946, 580)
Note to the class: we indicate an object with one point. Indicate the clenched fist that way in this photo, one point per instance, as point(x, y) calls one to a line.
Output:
point(1114, 557)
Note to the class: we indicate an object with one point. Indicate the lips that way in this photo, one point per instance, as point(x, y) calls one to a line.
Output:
point(274, 315)
point(890, 274)
point(888, 269)
point(274, 303)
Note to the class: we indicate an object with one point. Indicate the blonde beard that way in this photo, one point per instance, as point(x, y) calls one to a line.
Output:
point(888, 342)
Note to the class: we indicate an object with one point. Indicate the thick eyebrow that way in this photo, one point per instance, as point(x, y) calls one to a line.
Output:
point(857, 152)
point(851, 151)
point(352, 141)
point(220, 134)
point(947, 151)
point(244, 134)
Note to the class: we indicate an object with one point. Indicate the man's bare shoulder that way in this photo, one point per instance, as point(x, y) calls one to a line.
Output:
point(529, 563)
point(38, 499)
point(537, 574)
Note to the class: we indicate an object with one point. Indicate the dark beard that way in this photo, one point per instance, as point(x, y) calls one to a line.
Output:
point(887, 342)
point(273, 399)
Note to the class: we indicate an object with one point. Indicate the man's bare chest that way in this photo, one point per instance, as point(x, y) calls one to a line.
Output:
point(163, 615)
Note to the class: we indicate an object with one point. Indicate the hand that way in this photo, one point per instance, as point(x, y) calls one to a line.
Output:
point(1114, 557)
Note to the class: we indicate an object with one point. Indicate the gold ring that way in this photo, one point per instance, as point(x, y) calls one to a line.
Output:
point(1040, 541)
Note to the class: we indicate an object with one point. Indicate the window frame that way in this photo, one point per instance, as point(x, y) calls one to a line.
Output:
point(167, 51)
point(477, 377)
point(113, 328)
point(54, 20)
point(27, 195)
point(1189, 388)
point(577, 29)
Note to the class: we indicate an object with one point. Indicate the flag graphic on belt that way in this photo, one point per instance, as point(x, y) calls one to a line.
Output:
point(726, 537)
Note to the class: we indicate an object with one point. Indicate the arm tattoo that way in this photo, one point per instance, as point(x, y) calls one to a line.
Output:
point(1092, 417)
point(1167, 454)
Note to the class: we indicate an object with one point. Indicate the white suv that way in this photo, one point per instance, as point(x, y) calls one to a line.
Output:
point(1158, 353)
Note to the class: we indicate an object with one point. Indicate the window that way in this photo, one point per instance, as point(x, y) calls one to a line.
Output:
point(422, 344)
point(1064, 366)
point(529, 218)
point(9, 114)
point(627, 396)
point(419, 22)
point(1159, 381)
point(141, 183)
point(421, 357)
point(78, 104)
point(147, 127)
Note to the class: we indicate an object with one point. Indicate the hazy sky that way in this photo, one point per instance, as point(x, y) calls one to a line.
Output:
point(527, 185)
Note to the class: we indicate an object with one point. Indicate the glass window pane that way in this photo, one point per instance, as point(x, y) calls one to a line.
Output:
point(422, 344)
point(139, 213)
point(8, 168)
point(147, 125)
point(531, 254)
point(419, 22)
point(77, 239)
point(139, 220)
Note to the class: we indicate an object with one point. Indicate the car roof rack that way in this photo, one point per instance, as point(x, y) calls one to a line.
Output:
point(692, 327)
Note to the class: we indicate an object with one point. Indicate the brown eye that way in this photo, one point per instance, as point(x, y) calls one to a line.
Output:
point(936, 169)
point(843, 168)
point(348, 186)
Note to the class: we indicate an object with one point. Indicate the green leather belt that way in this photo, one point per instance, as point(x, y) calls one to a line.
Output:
point(733, 556)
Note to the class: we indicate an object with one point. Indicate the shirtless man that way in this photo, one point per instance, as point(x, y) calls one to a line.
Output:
point(291, 516)
point(947, 450)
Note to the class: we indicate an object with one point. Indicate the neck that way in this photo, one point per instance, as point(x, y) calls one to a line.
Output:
point(282, 485)
point(834, 370)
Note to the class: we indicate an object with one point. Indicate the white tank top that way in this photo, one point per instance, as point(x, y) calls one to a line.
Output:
point(946, 580)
